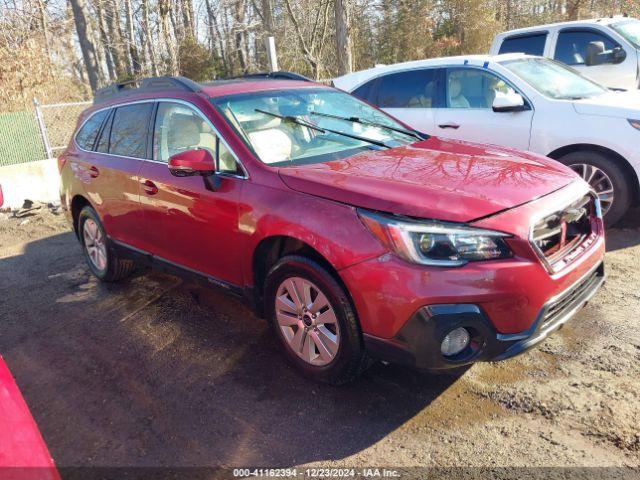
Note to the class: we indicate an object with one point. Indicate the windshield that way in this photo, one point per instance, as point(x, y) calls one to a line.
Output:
point(630, 30)
point(292, 127)
point(554, 79)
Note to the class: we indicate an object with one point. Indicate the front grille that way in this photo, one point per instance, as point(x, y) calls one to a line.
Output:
point(571, 298)
point(561, 236)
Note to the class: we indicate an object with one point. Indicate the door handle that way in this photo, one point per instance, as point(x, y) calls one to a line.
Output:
point(455, 126)
point(94, 172)
point(149, 187)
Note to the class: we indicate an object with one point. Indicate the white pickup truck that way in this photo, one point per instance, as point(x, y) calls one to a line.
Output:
point(606, 50)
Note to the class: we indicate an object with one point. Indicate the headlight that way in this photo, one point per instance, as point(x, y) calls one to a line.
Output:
point(436, 243)
point(634, 123)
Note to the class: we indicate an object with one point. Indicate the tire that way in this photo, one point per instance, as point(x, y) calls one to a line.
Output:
point(106, 264)
point(333, 365)
point(615, 175)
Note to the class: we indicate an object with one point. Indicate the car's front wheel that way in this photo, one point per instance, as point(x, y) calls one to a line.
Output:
point(606, 177)
point(314, 320)
point(102, 260)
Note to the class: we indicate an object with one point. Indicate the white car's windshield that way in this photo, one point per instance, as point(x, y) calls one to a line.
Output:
point(554, 79)
point(630, 30)
point(310, 125)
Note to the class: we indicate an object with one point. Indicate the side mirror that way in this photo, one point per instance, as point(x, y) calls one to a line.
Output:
point(198, 161)
point(508, 102)
point(595, 54)
point(619, 55)
point(192, 162)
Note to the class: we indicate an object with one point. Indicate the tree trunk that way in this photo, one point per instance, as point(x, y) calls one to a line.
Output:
point(102, 29)
point(148, 38)
point(268, 27)
point(164, 11)
point(45, 33)
point(343, 40)
point(97, 42)
point(86, 45)
point(240, 46)
point(131, 40)
point(115, 38)
point(187, 18)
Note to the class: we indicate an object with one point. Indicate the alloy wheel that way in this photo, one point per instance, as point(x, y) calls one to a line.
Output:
point(94, 243)
point(307, 321)
point(599, 181)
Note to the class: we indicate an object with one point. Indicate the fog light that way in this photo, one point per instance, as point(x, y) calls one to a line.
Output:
point(455, 342)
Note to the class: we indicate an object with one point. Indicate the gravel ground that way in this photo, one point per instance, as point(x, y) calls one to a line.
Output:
point(157, 372)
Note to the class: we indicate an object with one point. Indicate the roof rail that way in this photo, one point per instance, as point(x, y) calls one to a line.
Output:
point(151, 84)
point(279, 75)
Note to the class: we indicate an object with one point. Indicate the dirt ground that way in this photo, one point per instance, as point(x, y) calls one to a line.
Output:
point(157, 372)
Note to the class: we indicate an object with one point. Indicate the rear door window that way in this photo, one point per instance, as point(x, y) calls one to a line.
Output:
point(410, 89)
point(571, 47)
point(529, 44)
point(367, 91)
point(130, 130)
point(86, 137)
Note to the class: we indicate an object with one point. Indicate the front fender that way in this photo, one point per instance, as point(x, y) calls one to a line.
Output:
point(333, 229)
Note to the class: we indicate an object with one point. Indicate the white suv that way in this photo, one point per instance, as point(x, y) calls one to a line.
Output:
point(519, 101)
point(606, 50)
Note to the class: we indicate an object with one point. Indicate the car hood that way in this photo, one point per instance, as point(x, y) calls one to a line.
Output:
point(445, 180)
point(611, 104)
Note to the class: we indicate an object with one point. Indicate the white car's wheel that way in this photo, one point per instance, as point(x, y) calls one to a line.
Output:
point(606, 177)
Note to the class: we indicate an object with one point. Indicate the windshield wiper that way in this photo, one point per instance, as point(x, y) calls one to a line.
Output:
point(410, 133)
point(298, 121)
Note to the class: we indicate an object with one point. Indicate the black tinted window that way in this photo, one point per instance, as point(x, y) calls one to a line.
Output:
point(129, 130)
point(412, 89)
point(572, 45)
point(87, 135)
point(529, 44)
point(365, 92)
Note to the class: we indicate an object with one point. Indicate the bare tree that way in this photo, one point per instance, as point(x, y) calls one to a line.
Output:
point(131, 39)
point(343, 39)
point(311, 44)
point(164, 12)
point(86, 45)
point(148, 39)
point(115, 38)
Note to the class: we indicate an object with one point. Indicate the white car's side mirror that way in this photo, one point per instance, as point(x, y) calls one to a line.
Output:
point(508, 102)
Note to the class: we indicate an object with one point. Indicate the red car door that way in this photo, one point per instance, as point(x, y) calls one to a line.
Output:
point(110, 171)
point(188, 224)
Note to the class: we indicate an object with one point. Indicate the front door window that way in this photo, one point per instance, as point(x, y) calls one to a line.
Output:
point(474, 88)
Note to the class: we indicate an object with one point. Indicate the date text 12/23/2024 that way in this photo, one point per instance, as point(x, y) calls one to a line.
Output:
point(316, 473)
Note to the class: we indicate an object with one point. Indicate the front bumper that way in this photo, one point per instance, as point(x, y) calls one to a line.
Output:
point(417, 343)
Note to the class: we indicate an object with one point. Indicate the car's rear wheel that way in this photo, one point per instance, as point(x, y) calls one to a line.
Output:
point(606, 177)
point(103, 262)
point(314, 320)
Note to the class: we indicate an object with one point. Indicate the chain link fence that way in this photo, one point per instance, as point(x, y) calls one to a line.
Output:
point(20, 138)
point(38, 134)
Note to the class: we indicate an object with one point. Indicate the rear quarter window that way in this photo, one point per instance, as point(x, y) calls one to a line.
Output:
point(530, 44)
point(86, 137)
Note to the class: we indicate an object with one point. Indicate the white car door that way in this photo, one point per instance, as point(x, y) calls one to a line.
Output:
point(468, 114)
point(408, 95)
point(571, 49)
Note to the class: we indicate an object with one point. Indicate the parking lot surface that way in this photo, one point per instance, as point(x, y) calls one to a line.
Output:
point(157, 372)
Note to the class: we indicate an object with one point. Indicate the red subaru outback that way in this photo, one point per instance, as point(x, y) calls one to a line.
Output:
point(354, 235)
